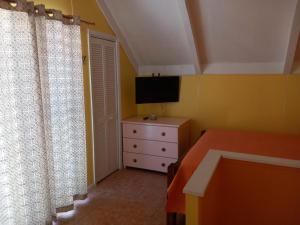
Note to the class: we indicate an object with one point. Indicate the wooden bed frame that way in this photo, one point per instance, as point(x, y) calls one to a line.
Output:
point(176, 218)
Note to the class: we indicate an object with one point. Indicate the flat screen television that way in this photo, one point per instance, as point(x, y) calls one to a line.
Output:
point(157, 89)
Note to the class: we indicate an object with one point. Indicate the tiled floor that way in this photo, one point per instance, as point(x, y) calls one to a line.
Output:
point(127, 197)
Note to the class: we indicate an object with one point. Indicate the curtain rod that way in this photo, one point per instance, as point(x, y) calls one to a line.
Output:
point(81, 20)
point(65, 16)
point(87, 22)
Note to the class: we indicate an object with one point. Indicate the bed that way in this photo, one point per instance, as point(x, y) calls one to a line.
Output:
point(276, 145)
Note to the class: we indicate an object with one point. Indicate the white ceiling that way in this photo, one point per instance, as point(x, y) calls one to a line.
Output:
point(154, 29)
point(155, 32)
point(230, 36)
point(243, 31)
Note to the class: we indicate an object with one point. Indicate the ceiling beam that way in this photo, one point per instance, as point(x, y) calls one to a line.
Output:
point(113, 24)
point(183, 6)
point(293, 40)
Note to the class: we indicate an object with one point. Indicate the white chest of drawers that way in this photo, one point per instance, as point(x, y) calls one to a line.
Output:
point(154, 144)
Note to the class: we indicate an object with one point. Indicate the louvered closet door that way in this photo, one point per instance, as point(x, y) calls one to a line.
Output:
point(104, 92)
point(111, 102)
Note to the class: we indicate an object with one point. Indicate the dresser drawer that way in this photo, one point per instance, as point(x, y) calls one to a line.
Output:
point(159, 133)
point(156, 148)
point(147, 162)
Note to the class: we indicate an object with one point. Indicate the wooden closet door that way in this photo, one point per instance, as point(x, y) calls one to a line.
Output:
point(104, 92)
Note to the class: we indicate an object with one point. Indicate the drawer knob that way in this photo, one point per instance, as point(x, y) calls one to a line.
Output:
point(134, 160)
point(163, 134)
point(163, 149)
point(163, 165)
point(134, 131)
point(134, 146)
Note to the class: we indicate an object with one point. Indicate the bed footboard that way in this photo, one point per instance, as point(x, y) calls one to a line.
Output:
point(172, 170)
point(175, 218)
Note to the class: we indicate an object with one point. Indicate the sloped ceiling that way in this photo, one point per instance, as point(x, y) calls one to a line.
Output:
point(237, 32)
point(156, 34)
point(207, 36)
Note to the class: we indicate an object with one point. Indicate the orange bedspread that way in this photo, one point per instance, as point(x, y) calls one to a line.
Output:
point(285, 146)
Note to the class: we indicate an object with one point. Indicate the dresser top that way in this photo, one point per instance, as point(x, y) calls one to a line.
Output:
point(161, 121)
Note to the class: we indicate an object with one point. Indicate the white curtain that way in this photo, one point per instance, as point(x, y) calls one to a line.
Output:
point(42, 123)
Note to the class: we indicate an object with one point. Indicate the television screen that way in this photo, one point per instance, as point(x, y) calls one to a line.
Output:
point(157, 89)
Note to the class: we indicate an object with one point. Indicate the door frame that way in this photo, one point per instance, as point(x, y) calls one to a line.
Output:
point(107, 37)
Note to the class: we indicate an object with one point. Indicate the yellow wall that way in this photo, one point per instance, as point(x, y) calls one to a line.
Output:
point(64, 5)
point(253, 102)
point(88, 10)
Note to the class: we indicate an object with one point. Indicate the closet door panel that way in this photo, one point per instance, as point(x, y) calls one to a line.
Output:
point(109, 64)
point(100, 153)
point(99, 114)
point(98, 92)
point(110, 79)
point(112, 146)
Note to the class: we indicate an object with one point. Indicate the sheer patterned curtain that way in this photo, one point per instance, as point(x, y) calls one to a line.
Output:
point(42, 123)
